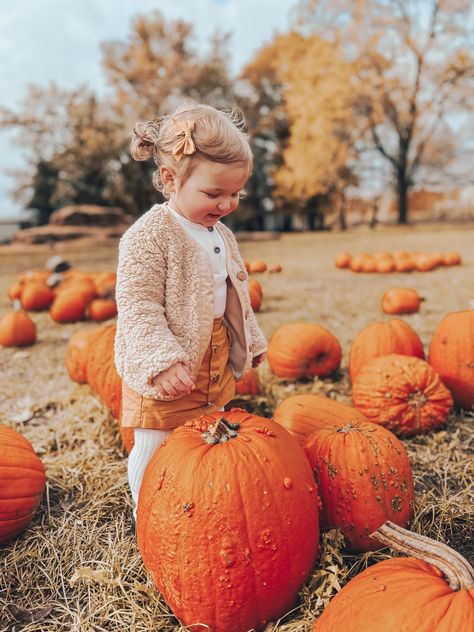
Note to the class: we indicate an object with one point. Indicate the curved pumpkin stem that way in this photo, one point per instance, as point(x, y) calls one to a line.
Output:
point(458, 572)
point(222, 430)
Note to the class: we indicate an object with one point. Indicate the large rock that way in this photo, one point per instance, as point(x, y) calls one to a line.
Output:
point(90, 215)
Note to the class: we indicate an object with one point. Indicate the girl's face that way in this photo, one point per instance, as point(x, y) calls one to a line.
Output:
point(210, 192)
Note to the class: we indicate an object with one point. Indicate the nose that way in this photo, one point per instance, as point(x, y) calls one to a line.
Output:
point(224, 205)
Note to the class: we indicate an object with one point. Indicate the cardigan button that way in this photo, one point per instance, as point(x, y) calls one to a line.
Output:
point(210, 228)
point(241, 275)
point(217, 250)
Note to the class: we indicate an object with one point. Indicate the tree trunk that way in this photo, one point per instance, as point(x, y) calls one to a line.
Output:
point(342, 211)
point(402, 193)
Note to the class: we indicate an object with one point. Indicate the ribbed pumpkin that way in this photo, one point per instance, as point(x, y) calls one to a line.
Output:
point(430, 592)
point(451, 354)
point(248, 384)
point(22, 482)
point(77, 353)
point(383, 338)
point(400, 300)
point(302, 414)
point(101, 373)
point(17, 329)
point(298, 350)
point(402, 393)
point(228, 521)
point(364, 479)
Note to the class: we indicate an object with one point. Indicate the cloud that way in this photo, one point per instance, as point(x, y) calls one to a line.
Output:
point(60, 41)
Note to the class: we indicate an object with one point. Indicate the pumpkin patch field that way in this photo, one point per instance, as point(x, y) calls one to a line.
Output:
point(345, 387)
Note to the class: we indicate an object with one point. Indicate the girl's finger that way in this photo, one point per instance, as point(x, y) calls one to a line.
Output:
point(168, 387)
point(185, 377)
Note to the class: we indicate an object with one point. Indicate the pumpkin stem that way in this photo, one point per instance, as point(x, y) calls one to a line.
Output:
point(458, 572)
point(222, 430)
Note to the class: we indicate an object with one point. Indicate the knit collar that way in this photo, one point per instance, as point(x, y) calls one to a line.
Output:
point(184, 220)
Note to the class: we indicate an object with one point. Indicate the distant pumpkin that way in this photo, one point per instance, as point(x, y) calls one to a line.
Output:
point(401, 300)
point(17, 329)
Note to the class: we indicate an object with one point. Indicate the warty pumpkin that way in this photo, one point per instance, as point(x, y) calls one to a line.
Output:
point(364, 478)
point(22, 482)
point(451, 354)
point(400, 300)
point(298, 350)
point(431, 591)
point(383, 338)
point(17, 329)
point(402, 393)
point(302, 414)
point(227, 521)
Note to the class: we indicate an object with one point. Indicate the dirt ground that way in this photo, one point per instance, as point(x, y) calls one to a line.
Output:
point(84, 519)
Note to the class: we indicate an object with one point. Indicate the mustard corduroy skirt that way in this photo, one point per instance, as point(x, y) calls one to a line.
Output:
point(214, 387)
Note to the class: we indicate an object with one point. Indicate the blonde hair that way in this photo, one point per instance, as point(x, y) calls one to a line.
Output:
point(218, 136)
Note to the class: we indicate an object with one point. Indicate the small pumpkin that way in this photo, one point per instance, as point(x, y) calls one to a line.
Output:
point(256, 294)
point(342, 260)
point(384, 265)
point(431, 591)
point(302, 414)
point(402, 393)
point(275, 268)
point(298, 350)
point(257, 266)
point(451, 259)
point(400, 300)
point(364, 478)
point(22, 482)
point(236, 498)
point(248, 384)
point(36, 296)
point(100, 309)
point(451, 354)
point(17, 329)
point(70, 305)
point(383, 338)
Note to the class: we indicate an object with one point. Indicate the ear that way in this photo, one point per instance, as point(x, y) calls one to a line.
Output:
point(167, 177)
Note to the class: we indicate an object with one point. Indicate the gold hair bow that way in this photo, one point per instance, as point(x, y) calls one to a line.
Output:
point(185, 145)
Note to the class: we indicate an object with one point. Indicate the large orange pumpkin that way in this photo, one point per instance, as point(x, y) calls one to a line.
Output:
point(77, 353)
point(22, 482)
point(430, 592)
point(402, 393)
point(451, 354)
point(303, 413)
point(17, 329)
point(228, 521)
point(256, 294)
point(101, 373)
point(383, 338)
point(298, 350)
point(364, 479)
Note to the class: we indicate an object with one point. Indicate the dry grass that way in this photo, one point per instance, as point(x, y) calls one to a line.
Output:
point(77, 566)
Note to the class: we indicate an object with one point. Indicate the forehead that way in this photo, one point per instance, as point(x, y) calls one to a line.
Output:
point(217, 175)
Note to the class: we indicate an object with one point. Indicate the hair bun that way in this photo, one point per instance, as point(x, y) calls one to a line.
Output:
point(144, 140)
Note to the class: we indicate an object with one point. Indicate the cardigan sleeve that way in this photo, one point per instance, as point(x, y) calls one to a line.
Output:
point(145, 346)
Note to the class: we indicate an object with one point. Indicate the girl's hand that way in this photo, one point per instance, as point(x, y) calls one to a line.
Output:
point(175, 381)
point(258, 360)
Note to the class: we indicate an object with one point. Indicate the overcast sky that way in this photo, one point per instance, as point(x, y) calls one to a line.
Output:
point(44, 40)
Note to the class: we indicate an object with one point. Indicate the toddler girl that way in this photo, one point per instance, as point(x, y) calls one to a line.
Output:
point(185, 327)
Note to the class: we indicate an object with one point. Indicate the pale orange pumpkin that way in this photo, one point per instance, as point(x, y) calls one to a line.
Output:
point(342, 260)
point(402, 393)
point(302, 414)
point(383, 338)
point(257, 266)
point(298, 350)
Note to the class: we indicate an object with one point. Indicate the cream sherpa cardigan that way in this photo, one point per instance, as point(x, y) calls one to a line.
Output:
point(165, 300)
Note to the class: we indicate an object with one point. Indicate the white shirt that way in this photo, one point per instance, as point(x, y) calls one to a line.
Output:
point(213, 244)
